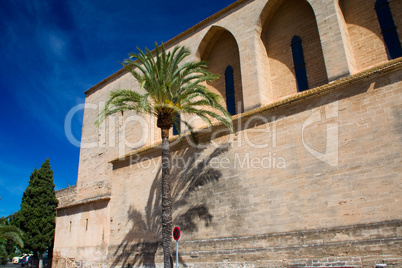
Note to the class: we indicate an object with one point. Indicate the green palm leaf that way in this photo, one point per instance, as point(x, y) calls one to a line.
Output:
point(13, 233)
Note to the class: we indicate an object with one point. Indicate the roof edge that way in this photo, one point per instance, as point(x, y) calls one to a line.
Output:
point(86, 201)
point(171, 42)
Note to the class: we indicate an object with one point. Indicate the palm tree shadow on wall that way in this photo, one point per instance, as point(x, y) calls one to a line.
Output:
point(189, 173)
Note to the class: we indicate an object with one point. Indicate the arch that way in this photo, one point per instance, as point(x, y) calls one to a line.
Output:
point(209, 38)
point(267, 13)
point(365, 32)
point(282, 21)
point(220, 49)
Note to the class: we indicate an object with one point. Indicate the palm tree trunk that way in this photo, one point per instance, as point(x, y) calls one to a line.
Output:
point(166, 201)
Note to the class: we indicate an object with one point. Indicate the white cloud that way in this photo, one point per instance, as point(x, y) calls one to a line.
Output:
point(57, 44)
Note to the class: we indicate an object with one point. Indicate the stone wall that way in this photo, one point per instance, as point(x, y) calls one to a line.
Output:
point(283, 190)
point(66, 196)
point(225, 52)
point(83, 231)
point(365, 32)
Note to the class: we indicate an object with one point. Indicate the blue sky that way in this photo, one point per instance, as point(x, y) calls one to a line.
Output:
point(51, 52)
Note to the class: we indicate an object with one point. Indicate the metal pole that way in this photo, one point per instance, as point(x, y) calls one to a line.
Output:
point(177, 253)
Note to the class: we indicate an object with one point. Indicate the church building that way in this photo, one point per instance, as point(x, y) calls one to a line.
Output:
point(311, 176)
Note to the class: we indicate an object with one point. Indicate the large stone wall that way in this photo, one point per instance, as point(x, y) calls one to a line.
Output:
point(308, 194)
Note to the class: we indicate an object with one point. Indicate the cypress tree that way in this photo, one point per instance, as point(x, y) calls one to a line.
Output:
point(38, 210)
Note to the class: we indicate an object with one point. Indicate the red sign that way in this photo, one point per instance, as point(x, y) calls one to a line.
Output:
point(176, 233)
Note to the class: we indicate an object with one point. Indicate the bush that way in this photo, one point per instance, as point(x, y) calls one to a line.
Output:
point(3, 255)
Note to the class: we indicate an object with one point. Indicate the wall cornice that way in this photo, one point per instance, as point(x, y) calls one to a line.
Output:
point(86, 201)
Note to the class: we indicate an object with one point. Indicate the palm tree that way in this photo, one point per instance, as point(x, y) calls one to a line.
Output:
point(13, 233)
point(172, 88)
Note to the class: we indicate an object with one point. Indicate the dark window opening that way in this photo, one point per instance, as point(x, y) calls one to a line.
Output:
point(299, 63)
point(388, 29)
point(176, 129)
point(86, 224)
point(230, 92)
point(70, 226)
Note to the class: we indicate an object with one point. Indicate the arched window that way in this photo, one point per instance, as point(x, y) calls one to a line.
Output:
point(230, 94)
point(388, 29)
point(176, 130)
point(299, 64)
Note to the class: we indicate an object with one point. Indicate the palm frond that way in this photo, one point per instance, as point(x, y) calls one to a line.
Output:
point(123, 100)
point(13, 233)
point(205, 114)
point(172, 86)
